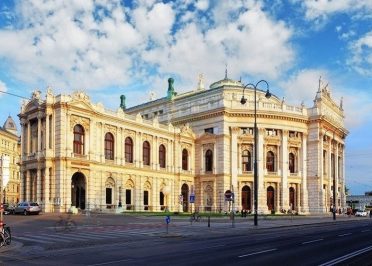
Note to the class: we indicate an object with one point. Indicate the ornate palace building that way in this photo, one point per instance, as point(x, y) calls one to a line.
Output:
point(183, 151)
point(9, 159)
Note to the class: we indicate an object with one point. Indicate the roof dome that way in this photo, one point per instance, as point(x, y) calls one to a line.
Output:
point(226, 82)
point(10, 125)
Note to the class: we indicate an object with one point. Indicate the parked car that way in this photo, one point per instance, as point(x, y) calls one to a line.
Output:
point(8, 208)
point(361, 213)
point(27, 207)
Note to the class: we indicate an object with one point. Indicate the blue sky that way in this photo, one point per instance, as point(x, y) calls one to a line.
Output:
point(109, 48)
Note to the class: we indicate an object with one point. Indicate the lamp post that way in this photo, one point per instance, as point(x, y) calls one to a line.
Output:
point(255, 176)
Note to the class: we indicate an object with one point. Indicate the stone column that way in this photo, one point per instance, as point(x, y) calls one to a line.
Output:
point(28, 185)
point(38, 186)
point(214, 168)
point(155, 154)
point(29, 138)
point(46, 191)
point(46, 132)
point(39, 133)
point(304, 191)
point(139, 145)
point(22, 186)
point(329, 173)
point(336, 175)
point(234, 160)
point(68, 132)
point(23, 138)
point(284, 165)
point(262, 203)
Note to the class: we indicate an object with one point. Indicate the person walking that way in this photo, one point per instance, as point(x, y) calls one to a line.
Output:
point(370, 213)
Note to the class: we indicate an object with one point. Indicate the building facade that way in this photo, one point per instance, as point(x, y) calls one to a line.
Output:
point(183, 152)
point(9, 162)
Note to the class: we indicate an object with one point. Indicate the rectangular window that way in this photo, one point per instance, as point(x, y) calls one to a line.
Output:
point(209, 130)
point(128, 196)
point(145, 198)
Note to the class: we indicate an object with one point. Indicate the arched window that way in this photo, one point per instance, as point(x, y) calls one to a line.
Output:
point(291, 162)
point(246, 161)
point(146, 153)
point(270, 162)
point(185, 158)
point(208, 161)
point(128, 150)
point(162, 156)
point(109, 146)
point(78, 139)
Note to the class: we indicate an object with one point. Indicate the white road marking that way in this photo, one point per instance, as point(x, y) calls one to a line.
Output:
point(312, 241)
point(365, 230)
point(258, 252)
point(109, 262)
point(345, 234)
point(34, 240)
point(347, 256)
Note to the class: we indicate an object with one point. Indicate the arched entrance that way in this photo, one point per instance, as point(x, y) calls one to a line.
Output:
point(246, 198)
point(292, 198)
point(78, 190)
point(270, 198)
point(185, 196)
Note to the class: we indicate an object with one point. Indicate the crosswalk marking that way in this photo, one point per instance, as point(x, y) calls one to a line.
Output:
point(50, 238)
point(34, 240)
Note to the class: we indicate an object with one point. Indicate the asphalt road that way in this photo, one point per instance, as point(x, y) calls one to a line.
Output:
point(139, 241)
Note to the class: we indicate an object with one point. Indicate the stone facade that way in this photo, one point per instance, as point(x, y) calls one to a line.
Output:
point(199, 143)
point(9, 159)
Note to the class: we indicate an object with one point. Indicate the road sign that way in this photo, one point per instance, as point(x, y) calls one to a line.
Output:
point(167, 219)
point(192, 198)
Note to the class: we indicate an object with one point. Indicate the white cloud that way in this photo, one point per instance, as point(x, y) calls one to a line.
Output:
point(99, 44)
point(202, 4)
point(303, 85)
point(3, 88)
point(361, 55)
point(321, 9)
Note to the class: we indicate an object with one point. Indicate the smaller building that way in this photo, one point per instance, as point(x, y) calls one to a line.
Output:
point(361, 202)
point(9, 159)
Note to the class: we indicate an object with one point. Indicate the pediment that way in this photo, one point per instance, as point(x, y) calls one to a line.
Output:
point(207, 135)
point(32, 105)
point(81, 104)
point(187, 131)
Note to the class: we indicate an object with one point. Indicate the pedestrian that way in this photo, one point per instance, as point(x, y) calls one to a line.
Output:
point(370, 213)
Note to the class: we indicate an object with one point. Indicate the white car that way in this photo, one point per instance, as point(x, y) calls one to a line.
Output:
point(361, 213)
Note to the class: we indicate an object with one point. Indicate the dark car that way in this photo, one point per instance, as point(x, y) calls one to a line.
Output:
point(27, 207)
point(8, 208)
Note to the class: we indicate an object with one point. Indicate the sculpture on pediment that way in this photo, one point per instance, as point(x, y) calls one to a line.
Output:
point(49, 92)
point(36, 95)
point(80, 95)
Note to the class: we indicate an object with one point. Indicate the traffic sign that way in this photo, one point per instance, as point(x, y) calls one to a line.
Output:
point(167, 219)
point(192, 198)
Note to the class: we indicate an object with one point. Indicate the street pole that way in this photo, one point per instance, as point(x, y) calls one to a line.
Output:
point(255, 178)
point(255, 174)
point(334, 188)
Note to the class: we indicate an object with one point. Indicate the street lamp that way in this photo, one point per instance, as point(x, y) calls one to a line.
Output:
point(255, 177)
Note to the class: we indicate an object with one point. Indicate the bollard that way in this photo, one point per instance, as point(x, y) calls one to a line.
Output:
point(209, 221)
